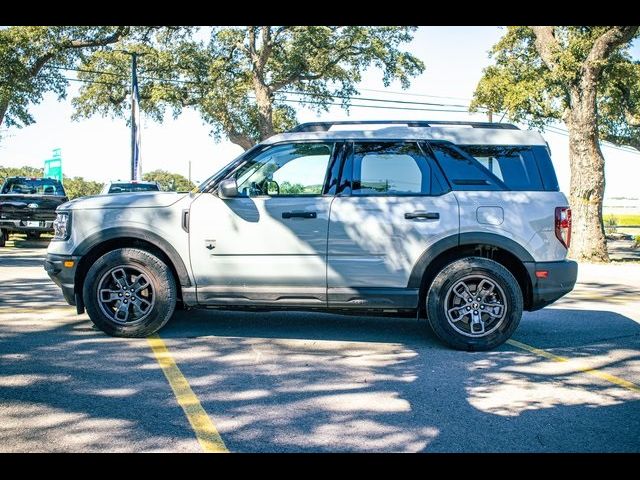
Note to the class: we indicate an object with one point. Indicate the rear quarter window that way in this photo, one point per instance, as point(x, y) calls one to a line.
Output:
point(514, 165)
point(462, 170)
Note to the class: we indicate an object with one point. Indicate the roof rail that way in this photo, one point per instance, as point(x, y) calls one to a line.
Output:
point(325, 126)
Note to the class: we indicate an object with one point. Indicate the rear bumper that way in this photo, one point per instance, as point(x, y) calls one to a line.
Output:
point(561, 278)
point(63, 276)
point(23, 226)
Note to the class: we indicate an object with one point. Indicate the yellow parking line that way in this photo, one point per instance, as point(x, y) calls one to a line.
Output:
point(205, 430)
point(591, 371)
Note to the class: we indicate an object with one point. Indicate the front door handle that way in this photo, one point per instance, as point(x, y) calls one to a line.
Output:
point(299, 214)
point(425, 215)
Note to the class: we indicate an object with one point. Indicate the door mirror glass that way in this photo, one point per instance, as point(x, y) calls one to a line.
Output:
point(228, 188)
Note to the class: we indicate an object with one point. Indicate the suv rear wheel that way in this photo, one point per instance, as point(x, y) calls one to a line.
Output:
point(474, 304)
point(129, 293)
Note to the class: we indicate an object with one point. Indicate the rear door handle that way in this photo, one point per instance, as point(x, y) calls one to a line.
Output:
point(425, 215)
point(299, 214)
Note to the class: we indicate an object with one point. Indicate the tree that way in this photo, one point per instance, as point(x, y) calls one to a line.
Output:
point(582, 76)
point(169, 182)
point(26, 51)
point(79, 187)
point(241, 80)
point(6, 172)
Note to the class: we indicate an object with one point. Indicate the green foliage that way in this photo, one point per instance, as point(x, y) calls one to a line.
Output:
point(610, 224)
point(6, 172)
point(33, 59)
point(287, 188)
point(169, 182)
point(520, 83)
point(79, 187)
point(636, 241)
point(73, 186)
point(239, 79)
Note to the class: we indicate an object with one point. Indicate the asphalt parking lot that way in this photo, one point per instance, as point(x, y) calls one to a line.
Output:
point(283, 382)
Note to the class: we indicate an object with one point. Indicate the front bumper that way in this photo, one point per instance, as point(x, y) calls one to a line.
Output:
point(27, 225)
point(63, 275)
point(560, 280)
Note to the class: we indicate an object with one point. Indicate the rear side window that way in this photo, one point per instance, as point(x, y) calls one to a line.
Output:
point(515, 165)
point(462, 170)
point(392, 168)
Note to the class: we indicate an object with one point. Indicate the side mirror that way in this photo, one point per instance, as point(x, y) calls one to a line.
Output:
point(228, 188)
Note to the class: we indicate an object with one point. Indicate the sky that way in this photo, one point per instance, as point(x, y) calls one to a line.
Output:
point(99, 148)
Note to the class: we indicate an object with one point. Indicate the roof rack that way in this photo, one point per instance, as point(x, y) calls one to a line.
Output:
point(325, 126)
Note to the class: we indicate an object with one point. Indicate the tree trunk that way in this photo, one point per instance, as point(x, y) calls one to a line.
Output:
point(265, 109)
point(241, 140)
point(587, 180)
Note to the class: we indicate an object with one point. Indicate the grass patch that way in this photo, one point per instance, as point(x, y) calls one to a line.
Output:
point(623, 219)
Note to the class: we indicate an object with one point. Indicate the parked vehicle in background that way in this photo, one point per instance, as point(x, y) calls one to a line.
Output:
point(460, 222)
point(120, 186)
point(28, 205)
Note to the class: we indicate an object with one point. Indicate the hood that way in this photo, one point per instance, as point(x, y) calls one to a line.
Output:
point(125, 200)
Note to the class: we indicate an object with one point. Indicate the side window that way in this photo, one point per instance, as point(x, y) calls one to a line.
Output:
point(290, 169)
point(462, 170)
point(514, 165)
point(391, 168)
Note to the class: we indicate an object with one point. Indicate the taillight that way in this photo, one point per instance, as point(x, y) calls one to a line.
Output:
point(563, 225)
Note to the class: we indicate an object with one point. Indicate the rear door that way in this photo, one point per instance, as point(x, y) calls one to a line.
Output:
point(392, 204)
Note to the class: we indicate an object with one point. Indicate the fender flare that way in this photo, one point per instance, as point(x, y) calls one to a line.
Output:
point(137, 233)
point(467, 238)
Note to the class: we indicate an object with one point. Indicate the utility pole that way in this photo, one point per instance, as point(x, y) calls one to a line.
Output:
point(135, 115)
point(189, 171)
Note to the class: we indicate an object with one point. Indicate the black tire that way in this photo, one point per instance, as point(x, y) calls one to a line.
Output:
point(473, 269)
point(33, 236)
point(162, 285)
point(4, 236)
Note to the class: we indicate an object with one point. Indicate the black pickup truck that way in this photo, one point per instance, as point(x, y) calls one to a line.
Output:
point(28, 205)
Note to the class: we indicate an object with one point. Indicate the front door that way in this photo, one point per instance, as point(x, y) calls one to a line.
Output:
point(269, 244)
point(392, 204)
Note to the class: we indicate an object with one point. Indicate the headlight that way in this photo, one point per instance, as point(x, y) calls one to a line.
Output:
point(62, 226)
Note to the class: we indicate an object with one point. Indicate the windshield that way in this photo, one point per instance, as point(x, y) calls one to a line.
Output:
point(133, 187)
point(33, 186)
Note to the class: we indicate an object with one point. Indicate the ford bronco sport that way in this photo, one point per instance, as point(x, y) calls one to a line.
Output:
point(459, 222)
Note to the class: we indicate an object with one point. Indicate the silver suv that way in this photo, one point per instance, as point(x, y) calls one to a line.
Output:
point(460, 222)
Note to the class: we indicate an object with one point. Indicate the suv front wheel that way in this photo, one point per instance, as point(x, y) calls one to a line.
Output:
point(474, 304)
point(129, 293)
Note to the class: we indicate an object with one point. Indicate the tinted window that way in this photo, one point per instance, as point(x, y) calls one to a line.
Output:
point(391, 168)
point(545, 166)
point(292, 169)
point(132, 187)
point(462, 170)
point(514, 165)
point(33, 186)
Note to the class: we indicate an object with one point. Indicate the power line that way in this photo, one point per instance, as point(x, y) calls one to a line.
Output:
point(374, 99)
point(370, 106)
point(395, 92)
point(551, 128)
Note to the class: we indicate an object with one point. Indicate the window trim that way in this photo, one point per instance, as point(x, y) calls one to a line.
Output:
point(347, 190)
